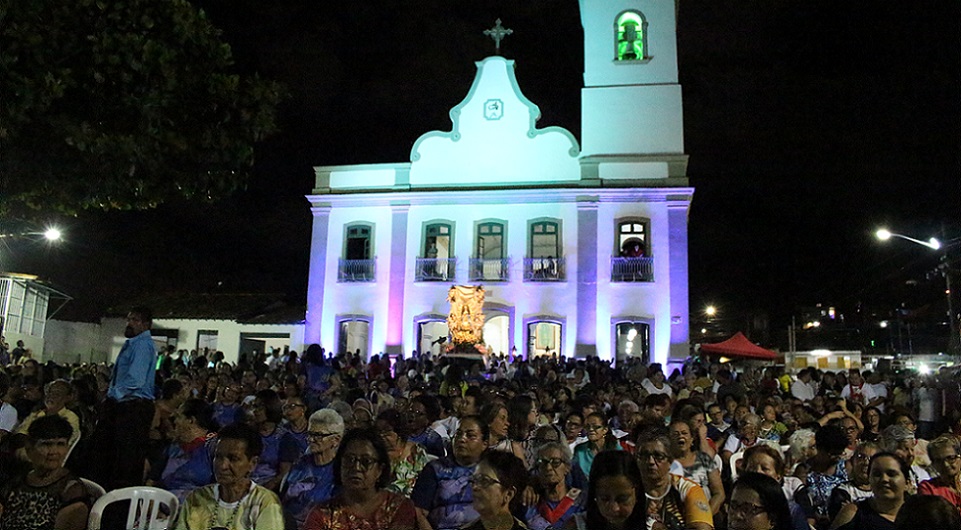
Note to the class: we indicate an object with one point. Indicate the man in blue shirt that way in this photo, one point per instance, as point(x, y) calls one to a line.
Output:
point(120, 439)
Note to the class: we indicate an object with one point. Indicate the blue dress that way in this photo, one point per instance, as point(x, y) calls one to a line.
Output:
point(443, 489)
point(188, 469)
point(307, 484)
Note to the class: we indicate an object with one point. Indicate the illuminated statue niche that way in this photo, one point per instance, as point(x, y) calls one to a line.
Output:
point(466, 319)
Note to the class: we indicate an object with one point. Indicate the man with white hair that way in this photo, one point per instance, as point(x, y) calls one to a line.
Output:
point(311, 480)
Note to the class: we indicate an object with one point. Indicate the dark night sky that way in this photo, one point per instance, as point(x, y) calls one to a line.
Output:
point(808, 124)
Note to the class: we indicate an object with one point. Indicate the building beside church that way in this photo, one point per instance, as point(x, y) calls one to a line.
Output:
point(582, 248)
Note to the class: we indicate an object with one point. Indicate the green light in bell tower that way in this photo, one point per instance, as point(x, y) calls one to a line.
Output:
point(631, 36)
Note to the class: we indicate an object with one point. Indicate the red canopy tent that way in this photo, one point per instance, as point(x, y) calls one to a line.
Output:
point(738, 346)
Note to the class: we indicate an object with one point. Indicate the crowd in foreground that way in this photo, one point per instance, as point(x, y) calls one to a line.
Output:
point(341, 442)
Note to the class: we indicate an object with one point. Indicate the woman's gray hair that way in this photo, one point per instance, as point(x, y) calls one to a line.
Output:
point(945, 441)
point(329, 419)
point(894, 435)
point(751, 419)
point(800, 441)
point(340, 409)
point(562, 447)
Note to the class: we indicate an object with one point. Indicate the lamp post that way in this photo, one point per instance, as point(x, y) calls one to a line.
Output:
point(944, 267)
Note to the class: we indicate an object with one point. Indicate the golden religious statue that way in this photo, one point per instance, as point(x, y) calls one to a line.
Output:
point(466, 319)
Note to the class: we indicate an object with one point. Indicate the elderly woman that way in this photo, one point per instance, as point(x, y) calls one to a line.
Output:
point(280, 448)
point(362, 471)
point(188, 461)
point(675, 501)
point(234, 502)
point(749, 428)
point(599, 438)
point(443, 494)
point(311, 480)
point(757, 504)
point(766, 460)
point(692, 462)
point(49, 496)
point(945, 454)
point(889, 480)
point(56, 395)
point(497, 485)
point(556, 502)
point(407, 458)
point(859, 486)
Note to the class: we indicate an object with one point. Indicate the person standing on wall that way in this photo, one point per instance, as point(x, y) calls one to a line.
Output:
point(121, 435)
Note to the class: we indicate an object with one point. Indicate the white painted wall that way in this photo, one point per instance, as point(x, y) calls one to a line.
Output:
point(74, 342)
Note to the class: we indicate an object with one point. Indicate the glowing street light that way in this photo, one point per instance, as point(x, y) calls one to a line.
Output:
point(710, 311)
point(883, 234)
point(52, 234)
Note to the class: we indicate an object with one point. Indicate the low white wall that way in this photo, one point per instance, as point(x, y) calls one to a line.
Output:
point(73, 342)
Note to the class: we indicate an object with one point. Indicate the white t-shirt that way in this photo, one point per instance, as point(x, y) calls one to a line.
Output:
point(802, 390)
point(8, 417)
point(651, 389)
point(864, 395)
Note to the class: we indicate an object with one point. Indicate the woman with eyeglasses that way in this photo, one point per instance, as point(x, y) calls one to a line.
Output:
point(311, 480)
point(407, 458)
point(757, 503)
point(858, 486)
point(497, 484)
point(599, 438)
point(945, 454)
point(362, 472)
point(443, 494)
point(556, 502)
point(889, 480)
point(573, 429)
point(616, 497)
point(295, 421)
point(675, 501)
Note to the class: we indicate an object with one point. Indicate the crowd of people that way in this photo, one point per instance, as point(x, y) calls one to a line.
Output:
point(318, 441)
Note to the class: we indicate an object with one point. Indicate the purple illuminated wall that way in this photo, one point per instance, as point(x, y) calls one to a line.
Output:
point(398, 268)
point(317, 275)
point(586, 280)
point(680, 320)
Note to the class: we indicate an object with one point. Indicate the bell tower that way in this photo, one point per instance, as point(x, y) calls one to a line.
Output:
point(631, 107)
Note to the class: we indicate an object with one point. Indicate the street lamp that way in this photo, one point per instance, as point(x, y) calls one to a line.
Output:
point(52, 234)
point(884, 235)
point(710, 310)
point(933, 244)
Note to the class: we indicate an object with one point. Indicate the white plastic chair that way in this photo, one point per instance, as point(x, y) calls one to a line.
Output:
point(145, 508)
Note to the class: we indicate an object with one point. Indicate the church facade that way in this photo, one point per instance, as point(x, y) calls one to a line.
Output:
point(581, 248)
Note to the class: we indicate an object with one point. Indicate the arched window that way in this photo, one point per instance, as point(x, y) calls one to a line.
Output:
point(632, 238)
point(631, 35)
point(490, 240)
point(357, 245)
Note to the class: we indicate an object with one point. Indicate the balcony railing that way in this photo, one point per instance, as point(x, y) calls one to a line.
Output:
point(490, 270)
point(356, 270)
point(544, 269)
point(632, 269)
point(434, 269)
